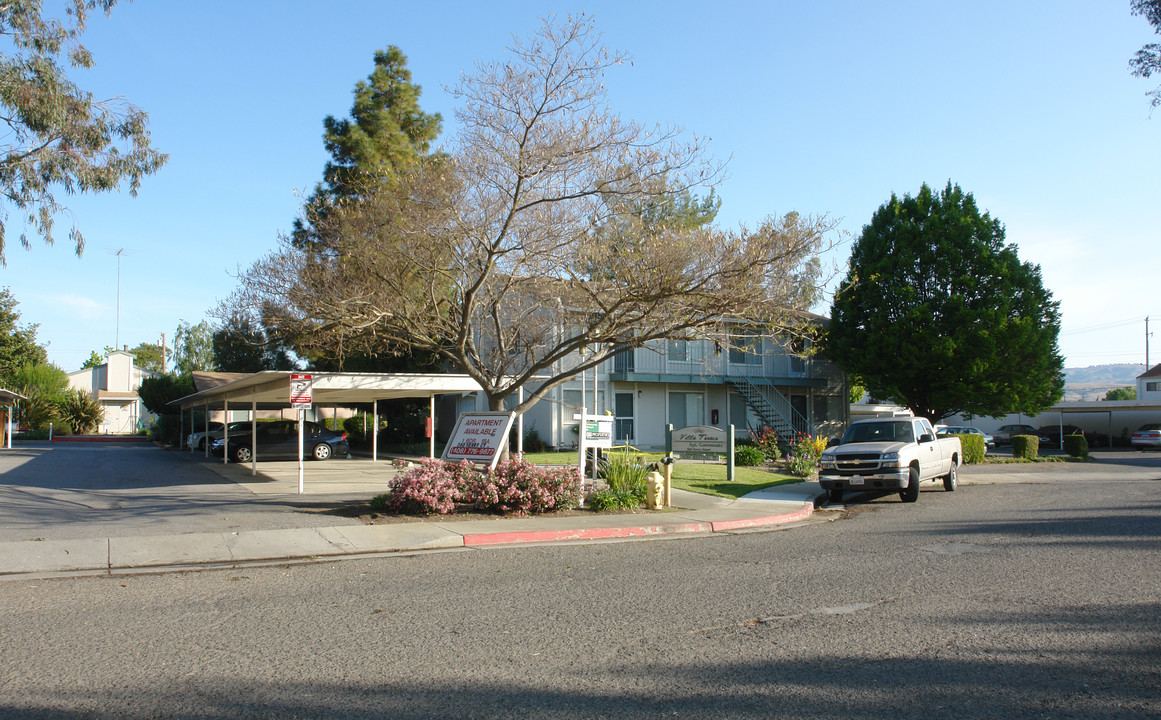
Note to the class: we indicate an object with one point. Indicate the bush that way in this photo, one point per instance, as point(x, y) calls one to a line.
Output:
point(748, 456)
point(81, 410)
point(532, 441)
point(430, 487)
point(167, 430)
point(768, 442)
point(626, 483)
point(519, 487)
point(359, 428)
point(975, 451)
point(516, 487)
point(805, 452)
point(1025, 447)
point(1076, 446)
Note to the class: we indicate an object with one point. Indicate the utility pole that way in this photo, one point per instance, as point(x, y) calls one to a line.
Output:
point(1147, 333)
point(117, 336)
point(162, 353)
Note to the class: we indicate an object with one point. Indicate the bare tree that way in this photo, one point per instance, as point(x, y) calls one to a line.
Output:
point(530, 239)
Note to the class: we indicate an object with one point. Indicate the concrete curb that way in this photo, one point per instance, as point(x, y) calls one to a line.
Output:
point(265, 547)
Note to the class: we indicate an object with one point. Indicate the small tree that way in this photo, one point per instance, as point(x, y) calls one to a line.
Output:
point(1122, 393)
point(18, 345)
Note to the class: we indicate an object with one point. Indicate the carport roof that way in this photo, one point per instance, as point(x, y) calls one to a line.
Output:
point(7, 397)
point(270, 389)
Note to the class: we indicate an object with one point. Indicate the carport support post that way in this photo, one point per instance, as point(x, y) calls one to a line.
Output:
point(375, 430)
point(206, 420)
point(431, 440)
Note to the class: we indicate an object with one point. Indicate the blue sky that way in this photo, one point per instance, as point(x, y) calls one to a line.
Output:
point(822, 107)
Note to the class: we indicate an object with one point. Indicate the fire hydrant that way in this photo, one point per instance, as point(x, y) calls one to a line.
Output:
point(654, 491)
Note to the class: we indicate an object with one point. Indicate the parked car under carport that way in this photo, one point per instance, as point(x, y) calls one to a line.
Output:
point(279, 441)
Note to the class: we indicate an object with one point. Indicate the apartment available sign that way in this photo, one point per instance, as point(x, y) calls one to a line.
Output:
point(478, 437)
point(700, 439)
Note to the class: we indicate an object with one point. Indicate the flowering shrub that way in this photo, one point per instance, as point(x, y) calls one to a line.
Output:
point(804, 455)
point(515, 487)
point(430, 487)
point(519, 487)
point(400, 463)
point(767, 441)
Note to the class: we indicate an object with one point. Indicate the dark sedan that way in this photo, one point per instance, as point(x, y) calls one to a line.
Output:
point(279, 441)
point(1052, 432)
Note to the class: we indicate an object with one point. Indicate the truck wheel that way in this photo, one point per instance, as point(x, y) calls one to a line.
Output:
point(836, 495)
point(950, 481)
point(911, 494)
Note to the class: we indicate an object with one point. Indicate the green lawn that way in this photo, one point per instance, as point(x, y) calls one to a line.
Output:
point(705, 478)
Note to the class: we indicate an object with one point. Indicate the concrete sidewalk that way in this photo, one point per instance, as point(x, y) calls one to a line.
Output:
point(697, 514)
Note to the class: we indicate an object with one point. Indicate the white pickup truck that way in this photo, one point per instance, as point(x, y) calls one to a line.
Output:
point(894, 453)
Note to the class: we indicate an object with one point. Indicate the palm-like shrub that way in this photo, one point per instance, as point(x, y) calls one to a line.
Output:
point(80, 410)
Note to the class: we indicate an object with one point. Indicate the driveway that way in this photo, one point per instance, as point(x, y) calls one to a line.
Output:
point(61, 491)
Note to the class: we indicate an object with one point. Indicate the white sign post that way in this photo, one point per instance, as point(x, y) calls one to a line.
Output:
point(300, 399)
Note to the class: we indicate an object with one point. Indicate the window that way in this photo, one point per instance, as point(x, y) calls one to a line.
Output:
point(679, 350)
point(746, 350)
point(625, 361)
point(623, 416)
point(821, 408)
point(797, 355)
point(686, 409)
point(1152, 386)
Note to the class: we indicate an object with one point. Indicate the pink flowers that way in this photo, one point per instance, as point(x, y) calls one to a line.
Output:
point(514, 487)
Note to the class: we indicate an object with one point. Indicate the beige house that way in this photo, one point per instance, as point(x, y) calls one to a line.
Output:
point(115, 384)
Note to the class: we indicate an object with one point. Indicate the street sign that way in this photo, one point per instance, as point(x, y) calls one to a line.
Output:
point(300, 391)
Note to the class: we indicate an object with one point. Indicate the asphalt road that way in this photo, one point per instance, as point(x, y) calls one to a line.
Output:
point(1026, 598)
point(65, 491)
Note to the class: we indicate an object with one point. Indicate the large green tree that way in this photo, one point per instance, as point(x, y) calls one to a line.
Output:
point(241, 345)
point(59, 138)
point(938, 313)
point(149, 356)
point(1147, 60)
point(193, 347)
point(385, 133)
point(18, 345)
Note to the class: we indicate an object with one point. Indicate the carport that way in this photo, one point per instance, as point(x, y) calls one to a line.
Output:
point(7, 403)
point(270, 390)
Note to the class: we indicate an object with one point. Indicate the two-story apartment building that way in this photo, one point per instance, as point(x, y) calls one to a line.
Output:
point(759, 382)
point(1149, 385)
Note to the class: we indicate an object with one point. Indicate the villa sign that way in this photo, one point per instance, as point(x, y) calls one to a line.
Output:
point(701, 439)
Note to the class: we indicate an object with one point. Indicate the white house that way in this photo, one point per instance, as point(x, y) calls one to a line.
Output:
point(762, 382)
point(115, 385)
point(1149, 385)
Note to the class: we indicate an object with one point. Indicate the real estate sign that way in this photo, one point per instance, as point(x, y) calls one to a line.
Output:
point(599, 431)
point(478, 437)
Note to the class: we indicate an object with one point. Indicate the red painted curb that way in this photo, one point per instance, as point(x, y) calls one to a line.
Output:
point(801, 514)
point(508, 538)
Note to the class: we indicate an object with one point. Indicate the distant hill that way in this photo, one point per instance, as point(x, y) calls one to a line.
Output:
point(1093, 382)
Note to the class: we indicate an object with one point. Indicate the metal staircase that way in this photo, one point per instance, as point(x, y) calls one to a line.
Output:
point(774, 408)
